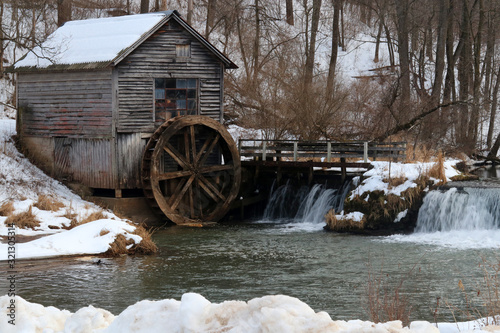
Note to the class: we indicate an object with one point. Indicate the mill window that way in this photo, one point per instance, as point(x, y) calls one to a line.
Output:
point(176, 97)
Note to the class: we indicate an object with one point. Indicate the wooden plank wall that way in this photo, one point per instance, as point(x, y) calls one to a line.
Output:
point(66, 104)
point(85, 161)
point(130, 150)
point(156, 58)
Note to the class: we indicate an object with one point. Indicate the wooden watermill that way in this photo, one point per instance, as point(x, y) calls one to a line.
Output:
point(191, 170)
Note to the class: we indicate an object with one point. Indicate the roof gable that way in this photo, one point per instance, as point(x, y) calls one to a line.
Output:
point(99, 43)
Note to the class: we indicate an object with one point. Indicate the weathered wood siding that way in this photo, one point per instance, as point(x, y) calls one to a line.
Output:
point(156, 58)
point(85, 161)
point(130, 150)
point(66, 104)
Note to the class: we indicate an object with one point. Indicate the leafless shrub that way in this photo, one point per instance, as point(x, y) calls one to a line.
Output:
point(119, 246)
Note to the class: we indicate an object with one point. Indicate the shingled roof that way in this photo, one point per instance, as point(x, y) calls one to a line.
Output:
point(101, 43)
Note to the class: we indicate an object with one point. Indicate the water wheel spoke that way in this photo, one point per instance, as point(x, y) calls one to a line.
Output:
point(182, 192)
point(205, 146)
point(186, 144)
point(216, 168)
point(176, 155)
point(209, 150)
point(193, 143)
point(174, 175)
point(176, 191)
point(211, 190)
point(191, 202)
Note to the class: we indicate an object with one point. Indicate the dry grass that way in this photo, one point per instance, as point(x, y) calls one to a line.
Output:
point(104, 232)
point(342, 224)
point(437, 171)
point(146, 246)
point(119, 246)
point(7, 208)
point(24, 220)
point(46, 202)
point(395, 181)
point(72, 216)
point(99, 215)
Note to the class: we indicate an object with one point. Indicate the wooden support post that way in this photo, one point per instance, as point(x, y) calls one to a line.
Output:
point(343, 170)
point(329, 152)
point(365, 152)
point(279, 176)
point(118, 193)
point(295, 148)
point(264, 148)
point(311, 176)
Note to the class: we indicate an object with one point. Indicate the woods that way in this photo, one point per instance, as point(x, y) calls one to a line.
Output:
point(294, 79)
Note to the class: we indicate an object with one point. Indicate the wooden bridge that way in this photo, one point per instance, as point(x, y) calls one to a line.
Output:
point(278, 154)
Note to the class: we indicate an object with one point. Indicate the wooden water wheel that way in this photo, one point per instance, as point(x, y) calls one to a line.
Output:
point(191, 170)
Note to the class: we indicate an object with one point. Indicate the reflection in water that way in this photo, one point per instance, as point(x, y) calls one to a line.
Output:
point(240, 262)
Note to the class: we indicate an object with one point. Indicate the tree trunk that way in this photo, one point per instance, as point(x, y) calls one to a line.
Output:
point(144, 6)
point(403, 51)
point(211, 10)
point(63, 11)
point(465, 74)
point(189, 17)
point(493, 110)
point(289, 12)
point(256, 42)
point(311, 53)
point(335, 47)
point(440, 50)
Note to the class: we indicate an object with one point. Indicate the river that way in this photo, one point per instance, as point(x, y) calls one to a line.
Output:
point(241, 261)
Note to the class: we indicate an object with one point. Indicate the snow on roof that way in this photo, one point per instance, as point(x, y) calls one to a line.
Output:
point(92, 41)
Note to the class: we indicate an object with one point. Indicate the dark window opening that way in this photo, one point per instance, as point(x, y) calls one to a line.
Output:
point(176, 97)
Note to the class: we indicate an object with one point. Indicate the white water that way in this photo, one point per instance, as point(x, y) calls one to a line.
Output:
point(458, 218)
point(303, 209)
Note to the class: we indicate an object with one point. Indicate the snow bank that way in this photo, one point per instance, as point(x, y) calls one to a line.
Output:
point(21, 183)
point(411, 171)
point(89, 238)
point(194, 313)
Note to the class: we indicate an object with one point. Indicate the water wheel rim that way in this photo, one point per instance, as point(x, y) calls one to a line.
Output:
point(192, 183)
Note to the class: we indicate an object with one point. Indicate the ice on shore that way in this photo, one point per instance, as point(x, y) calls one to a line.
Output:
point(194, 313)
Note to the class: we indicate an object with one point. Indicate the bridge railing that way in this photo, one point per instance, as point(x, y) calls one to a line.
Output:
point(297, 150)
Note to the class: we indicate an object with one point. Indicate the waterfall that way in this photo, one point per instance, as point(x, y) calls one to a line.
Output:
point(457, 209)
point(305, 204)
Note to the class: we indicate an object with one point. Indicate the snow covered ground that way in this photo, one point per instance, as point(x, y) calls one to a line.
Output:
point(193, 313)
point(21, 183)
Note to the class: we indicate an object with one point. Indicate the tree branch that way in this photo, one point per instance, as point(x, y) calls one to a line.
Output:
point(413, 121)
